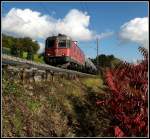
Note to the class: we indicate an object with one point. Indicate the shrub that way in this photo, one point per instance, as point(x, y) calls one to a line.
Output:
point(128, 102)
point(38, 58)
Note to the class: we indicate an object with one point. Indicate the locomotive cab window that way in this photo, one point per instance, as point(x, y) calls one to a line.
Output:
point(50, 43)
point(62, 43)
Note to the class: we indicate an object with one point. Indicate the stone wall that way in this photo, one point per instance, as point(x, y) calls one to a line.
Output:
point(28, 75)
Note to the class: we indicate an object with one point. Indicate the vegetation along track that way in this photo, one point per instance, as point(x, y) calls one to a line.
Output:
point(23, 65)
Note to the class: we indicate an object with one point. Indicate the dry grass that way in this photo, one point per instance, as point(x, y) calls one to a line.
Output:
point(47, 109)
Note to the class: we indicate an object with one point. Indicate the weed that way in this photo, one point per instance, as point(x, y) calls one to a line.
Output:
point(17, 121)
point(33, 105)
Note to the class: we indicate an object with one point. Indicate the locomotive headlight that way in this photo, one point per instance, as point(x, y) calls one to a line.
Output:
point(48, 54)
point(63, 54)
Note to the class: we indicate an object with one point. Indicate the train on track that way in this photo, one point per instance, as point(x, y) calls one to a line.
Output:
point(63, 52)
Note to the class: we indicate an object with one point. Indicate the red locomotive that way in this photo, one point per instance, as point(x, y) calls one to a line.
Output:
point(63, 51)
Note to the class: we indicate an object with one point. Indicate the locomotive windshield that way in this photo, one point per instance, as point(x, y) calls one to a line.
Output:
point(62, 43)
point(50, 43)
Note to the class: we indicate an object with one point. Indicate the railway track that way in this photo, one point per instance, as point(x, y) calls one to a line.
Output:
point(26, 64)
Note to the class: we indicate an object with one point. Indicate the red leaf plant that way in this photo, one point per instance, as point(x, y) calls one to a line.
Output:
point(128, 102)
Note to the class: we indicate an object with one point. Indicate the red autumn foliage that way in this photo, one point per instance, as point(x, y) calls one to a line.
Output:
point(128, 104)
point(118, 132)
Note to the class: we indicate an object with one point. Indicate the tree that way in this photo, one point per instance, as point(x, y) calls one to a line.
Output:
point(27, 43)
point(14, 51)
point(7, 41)
point(35, 46)
point(30, 53)
point(21, 44)
point(106, 61)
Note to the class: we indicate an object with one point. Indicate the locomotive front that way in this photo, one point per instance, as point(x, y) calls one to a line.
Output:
point(57, 49)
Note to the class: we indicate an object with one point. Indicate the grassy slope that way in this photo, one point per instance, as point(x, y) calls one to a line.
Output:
point(60, 108)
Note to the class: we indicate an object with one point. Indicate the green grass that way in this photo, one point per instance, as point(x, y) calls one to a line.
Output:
point(10, 87)
point(17, 121)
point(93, 83)
point(33, 105)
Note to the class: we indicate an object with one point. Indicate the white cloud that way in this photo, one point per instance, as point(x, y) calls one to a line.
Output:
point(136, 30)
point(28, 23)
point(104, 34)
point(75, 24)
point(42, 47)
point(35, 25)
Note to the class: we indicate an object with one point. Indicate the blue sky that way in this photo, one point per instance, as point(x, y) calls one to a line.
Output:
point(104, 17)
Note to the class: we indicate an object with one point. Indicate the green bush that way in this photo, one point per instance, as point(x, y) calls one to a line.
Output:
point(38, 58)
point(25, 55)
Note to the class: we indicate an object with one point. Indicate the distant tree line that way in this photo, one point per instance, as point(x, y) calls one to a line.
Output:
point(106, 61)
point(17, 46)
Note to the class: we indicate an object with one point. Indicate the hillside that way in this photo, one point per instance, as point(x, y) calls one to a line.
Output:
point(47, 109)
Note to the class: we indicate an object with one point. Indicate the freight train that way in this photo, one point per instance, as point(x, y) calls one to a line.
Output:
point(62, 51)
